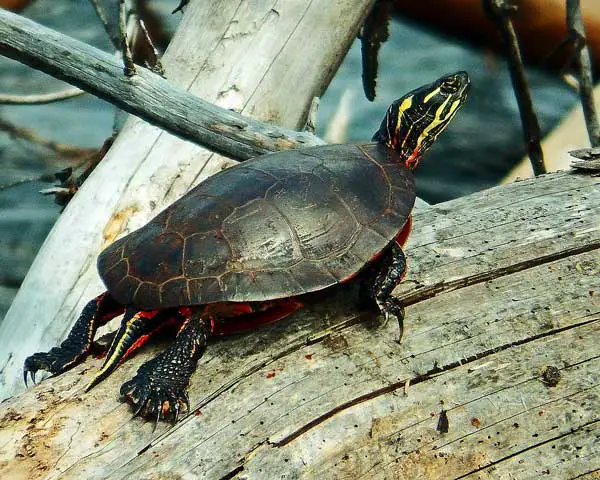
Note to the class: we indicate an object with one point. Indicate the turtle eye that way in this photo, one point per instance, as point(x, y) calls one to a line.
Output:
point(450, 85)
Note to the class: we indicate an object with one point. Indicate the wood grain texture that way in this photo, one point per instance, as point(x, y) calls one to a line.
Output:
point(329, 393)
point(239, 55)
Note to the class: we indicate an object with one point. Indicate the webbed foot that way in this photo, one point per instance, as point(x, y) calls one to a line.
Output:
point(379, 285)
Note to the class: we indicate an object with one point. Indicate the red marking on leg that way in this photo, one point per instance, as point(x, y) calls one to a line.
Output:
point(262, 314)
point(403, 234)
point(170, 322)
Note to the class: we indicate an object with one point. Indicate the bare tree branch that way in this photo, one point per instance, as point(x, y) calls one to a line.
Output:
point(499, 12)
point(145, 94)
point(584, 70)
point(42, 98)
point(62, 149)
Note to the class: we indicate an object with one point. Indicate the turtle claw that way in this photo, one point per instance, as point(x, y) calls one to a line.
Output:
point(31, 374)
point(150, 399)
point(392, 308)
point(56, 361)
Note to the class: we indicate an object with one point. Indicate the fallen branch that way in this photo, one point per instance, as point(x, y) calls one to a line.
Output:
point(145, 94)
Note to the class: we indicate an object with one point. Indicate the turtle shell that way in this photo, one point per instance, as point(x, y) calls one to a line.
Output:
point(275, 226)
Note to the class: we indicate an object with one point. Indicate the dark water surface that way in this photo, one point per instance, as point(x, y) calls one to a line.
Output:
point(479, 148)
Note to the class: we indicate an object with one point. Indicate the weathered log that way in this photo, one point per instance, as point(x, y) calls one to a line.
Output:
point(503, 283)
point(263, 60)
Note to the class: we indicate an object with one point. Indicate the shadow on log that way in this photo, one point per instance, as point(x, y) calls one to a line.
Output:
point(503, 284)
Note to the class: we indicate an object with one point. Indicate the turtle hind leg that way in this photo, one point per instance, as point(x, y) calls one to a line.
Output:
point(379, 286)
point(77, 345)
point(160, 386)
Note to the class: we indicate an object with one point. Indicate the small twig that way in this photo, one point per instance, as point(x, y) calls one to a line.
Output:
point(30, 136)
point(156, 66)
point(311, 120)
point(374, 33)
point(37, 178)
point(499, 12)
point(42, 98)
point(129, 66)
point(179, 7)
point(584, 70)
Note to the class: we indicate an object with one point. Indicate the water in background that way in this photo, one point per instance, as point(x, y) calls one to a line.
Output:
point(476, 151)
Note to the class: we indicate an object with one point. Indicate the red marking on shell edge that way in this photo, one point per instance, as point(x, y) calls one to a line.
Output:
point(308, 356)
point(400, 239)
point(403, 234)
point(185, 311)
point(148, 313)
point(270, 375)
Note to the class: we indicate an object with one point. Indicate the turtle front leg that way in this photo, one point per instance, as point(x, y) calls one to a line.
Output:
point(160, 386)
point(379, 286)
point(78, 343)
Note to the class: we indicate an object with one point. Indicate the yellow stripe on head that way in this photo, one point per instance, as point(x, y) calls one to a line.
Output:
point(430, 95)
point(404, 106)
point(438, 120)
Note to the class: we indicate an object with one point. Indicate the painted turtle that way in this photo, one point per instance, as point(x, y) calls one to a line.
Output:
point(252, 239)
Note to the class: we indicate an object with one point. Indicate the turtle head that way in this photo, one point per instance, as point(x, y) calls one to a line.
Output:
point(413, 122)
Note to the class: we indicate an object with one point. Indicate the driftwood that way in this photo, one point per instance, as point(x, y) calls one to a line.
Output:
point(504, 299)
point(264, 60)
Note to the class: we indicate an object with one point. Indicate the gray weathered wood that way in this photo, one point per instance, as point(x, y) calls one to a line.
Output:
point(145, 94)
point(246, 56)
point(503, 283)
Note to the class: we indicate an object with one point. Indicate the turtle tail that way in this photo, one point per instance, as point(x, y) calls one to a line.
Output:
point(136, 329)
